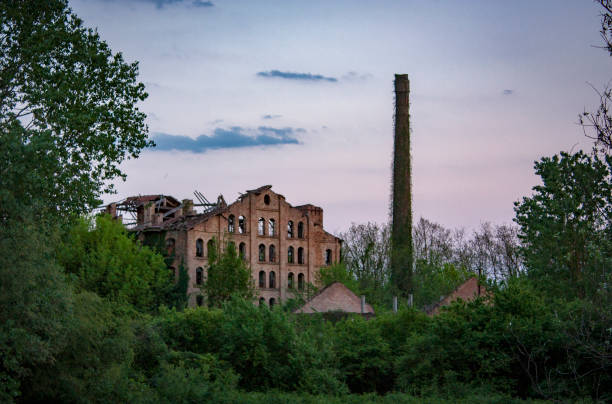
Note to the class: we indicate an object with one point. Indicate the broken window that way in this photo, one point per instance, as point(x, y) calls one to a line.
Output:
point(262, 253)
point(300, 230)
point(272, 282)
point(230, 223)
point(272, 301)
point(328, 257)
point(301, 281)
point(262, 301)
point(262, 279)
point(271, 227)
point(300, 255)
point(261, 226)
point(199, 276)
point(272, 254)
point(199, 248)
point(241, 224)
point(170, 246)
point(290, 229)
point(242, 251)
point(290, 280)
point(173, 270)
point(290, 255)
point(267, 199)
point(200, 300)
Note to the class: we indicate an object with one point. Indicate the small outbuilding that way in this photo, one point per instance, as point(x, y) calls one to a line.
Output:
point(335, 297)
point(467, 291)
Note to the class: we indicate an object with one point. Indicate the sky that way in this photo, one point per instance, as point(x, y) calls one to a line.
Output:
point(299, 95)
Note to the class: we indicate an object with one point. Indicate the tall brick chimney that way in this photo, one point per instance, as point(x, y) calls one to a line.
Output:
point(401, 231)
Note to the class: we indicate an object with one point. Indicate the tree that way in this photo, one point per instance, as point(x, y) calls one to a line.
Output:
point(108, 261)
point(566, 226)
point(598, 125)
point(68, 113)
point(228, 275)
point(366, 252)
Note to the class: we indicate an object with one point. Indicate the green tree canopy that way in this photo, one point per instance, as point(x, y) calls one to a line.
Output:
point(109, 262)
point(566, 226)
point(228, 275)
point(68, 113)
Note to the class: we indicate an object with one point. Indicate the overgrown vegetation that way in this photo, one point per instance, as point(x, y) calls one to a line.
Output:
point(87, 314)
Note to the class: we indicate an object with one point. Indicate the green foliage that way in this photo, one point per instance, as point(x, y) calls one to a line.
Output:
point(107, 261)
point(68, 103)
point(228, 275)
point(566, 226)
point(177, 295)
point(362, 355)
point(35, 304)
point(432, 282)
point(337, 273)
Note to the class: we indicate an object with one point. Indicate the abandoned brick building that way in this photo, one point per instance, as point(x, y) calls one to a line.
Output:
point(284, 245)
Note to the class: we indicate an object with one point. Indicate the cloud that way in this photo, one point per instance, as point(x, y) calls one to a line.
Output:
point(296, 76)
point(196, 3)
point(200, 3)
point(231, 138)
point(508, 92)
point(271, 116)
point(354, 76)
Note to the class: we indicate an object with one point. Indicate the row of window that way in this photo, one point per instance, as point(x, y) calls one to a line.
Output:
point(272, 280)
point(262, 251)
point(261, 227)
point(272, 254)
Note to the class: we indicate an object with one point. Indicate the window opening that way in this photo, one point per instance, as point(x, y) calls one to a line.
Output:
point(199, 248)
point(290, 255)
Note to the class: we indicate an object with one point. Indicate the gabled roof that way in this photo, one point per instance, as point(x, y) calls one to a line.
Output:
point(467, 291)
point(334, 297)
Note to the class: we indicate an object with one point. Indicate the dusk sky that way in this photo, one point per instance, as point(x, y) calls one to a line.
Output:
point(299, 94)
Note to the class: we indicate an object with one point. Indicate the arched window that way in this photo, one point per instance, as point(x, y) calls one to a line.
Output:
point(242, 251)
point(210, 247)
point(170, 246)
point(261, 226)
point(267, 199)
point(199, 276)
point(262, 279)
point(230, 223)
point(262, 301)
point(300, 230)
point(301, 281)
point(272, 281)
point(290, 255)
point(271, 227)
point(241, 224)
point(272, 254)
point(290, 280)
point(199, 248)
point(300, 255)
point(290, 229)
point(272, 301)
point(199, 300)
point(328, 257)
point(262, 253)
point(174, 274)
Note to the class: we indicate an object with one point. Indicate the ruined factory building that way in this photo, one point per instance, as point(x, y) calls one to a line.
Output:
point(284, 245)
point(467, 291)
point(335, 297)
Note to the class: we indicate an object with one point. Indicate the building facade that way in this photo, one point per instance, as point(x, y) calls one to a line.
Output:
point(284, 245)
